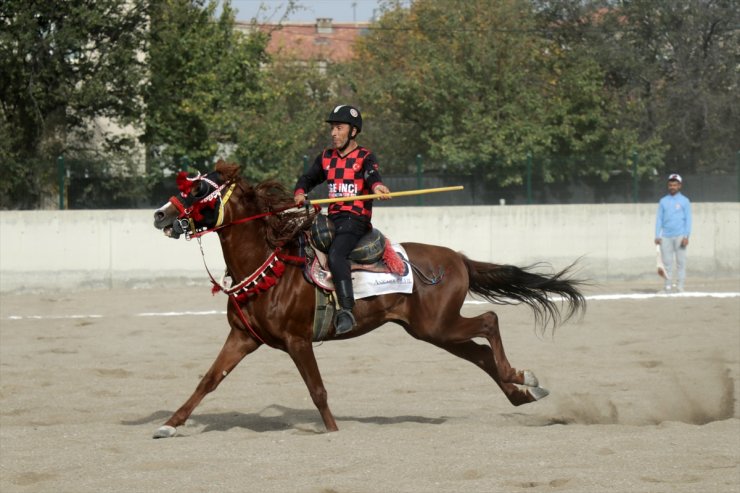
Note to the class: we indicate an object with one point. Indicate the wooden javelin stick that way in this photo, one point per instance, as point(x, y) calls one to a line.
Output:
point(392, 194)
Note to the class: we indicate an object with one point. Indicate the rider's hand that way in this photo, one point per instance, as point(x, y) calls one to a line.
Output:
point(383, 190)
point(300, 198)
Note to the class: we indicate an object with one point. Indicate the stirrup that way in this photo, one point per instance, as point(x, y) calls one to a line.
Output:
point(344, 321)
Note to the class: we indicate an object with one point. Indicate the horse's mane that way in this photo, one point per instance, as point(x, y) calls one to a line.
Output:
point(270, 195)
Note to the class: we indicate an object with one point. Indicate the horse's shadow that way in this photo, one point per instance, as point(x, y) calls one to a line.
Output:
point(275, 418)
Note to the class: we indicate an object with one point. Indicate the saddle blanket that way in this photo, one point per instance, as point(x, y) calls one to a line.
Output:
point(366, 284)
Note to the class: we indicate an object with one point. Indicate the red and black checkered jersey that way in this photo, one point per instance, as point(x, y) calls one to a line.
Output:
point(347, 176)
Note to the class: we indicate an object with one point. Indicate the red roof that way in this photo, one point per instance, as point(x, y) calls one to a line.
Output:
point(320, 40)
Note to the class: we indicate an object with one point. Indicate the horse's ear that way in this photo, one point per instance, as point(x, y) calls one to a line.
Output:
point(228, 170)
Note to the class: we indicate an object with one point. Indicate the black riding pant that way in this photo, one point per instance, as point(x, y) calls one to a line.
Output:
point(348, 229)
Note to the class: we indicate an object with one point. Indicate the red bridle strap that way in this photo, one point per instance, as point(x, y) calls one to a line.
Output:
point(291, 258)
point(245, 321)
point(250, 279)
point(178, 205)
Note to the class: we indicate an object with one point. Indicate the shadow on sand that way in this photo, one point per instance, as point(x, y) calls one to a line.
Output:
point(275, 418)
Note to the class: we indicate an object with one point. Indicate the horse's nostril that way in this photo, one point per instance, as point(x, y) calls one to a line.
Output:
point(158, 215)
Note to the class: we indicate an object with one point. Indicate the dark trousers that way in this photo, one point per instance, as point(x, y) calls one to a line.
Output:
point(348, 229)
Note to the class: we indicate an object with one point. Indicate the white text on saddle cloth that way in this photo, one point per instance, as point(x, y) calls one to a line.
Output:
point(367, 284)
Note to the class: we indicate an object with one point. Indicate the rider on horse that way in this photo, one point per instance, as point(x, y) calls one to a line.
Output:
point(350, 170)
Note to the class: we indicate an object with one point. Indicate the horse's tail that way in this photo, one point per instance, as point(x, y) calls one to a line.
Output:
point(508, 284)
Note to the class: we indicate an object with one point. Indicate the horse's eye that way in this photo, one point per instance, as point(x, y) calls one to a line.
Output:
point(200, 190)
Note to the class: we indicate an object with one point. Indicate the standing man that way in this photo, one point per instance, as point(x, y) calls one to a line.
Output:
point(350, 170)
point(672, 231)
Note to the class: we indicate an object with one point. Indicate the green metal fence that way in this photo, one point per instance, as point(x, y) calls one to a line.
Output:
point(89, 185)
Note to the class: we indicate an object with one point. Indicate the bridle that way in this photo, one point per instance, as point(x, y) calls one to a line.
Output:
point(188, 224)
point(188, 216)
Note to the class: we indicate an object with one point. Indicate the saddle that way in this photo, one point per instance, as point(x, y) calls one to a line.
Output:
point(373, 253)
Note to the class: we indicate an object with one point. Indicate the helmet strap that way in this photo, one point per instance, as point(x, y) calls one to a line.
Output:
point(349, 139)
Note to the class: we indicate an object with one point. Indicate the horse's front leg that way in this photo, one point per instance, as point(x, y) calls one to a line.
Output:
point(301, 351)
point(236, 347)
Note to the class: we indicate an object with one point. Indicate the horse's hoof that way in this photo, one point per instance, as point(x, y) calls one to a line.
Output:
point(529, 379)
point(165, 431)
point(538, 393)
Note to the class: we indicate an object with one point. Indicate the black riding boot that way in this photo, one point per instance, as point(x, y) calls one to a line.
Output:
point(344, 321)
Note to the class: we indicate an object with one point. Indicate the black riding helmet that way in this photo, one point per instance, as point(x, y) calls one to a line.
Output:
point(346, 114)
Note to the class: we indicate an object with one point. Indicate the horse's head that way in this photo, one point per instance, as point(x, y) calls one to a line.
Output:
point(199, 206)
point(223, 198)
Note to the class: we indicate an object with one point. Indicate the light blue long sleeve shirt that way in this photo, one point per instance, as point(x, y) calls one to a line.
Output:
point(674, 216)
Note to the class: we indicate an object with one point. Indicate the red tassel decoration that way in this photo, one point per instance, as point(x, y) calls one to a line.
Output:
point(267, 281)
point(392, 259)
point(183, 184)
point(278, 268)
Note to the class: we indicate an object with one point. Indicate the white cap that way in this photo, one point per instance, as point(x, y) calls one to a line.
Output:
point(675, 177)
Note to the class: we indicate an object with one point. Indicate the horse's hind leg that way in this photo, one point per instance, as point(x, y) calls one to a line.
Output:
point(236, 347)
point(520, 387)
point(301, 352)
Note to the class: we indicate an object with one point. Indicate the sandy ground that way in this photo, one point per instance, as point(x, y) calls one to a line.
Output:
point(644, 399)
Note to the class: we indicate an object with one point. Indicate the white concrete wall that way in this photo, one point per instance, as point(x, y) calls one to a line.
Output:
point(50, 250)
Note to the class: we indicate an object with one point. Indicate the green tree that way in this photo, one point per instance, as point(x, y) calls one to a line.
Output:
point(64, 66)
point(287, 123)
point(671, 65)
point(593, 131)
point(682, 60)
point(204, 76)
point(476, 85)
point(214, 92)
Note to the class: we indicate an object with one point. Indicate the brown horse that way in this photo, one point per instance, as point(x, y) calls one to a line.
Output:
point(259, 226)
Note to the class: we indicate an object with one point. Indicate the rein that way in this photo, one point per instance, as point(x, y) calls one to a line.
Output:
point(200, 233)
